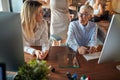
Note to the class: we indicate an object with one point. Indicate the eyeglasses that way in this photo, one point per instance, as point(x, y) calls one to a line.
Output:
point(83, 14)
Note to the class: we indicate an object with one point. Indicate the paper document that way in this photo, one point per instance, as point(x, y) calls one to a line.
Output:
point(91, 56)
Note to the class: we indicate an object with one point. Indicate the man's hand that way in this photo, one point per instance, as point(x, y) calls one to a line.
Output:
point(92, 49)
point(82, 50)
point(97, 48)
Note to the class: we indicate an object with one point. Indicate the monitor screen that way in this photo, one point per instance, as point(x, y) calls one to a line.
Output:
point(111, 46)
point(11, 42)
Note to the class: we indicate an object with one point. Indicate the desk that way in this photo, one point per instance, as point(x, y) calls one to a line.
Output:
point(105, 71)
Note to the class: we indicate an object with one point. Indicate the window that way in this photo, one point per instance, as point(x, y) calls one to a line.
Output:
point(15, 5)
point(1, 5)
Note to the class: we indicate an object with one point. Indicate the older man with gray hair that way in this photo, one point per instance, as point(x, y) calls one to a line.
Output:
point(82, 33)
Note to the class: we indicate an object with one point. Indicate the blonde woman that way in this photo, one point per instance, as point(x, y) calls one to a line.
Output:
point(35, 29)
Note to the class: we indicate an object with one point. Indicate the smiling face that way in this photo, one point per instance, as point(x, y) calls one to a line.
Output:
point(39, 14)
point(85, 14)
point(83, 17)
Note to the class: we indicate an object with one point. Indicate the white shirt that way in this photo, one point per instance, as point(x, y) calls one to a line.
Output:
point(41, 38)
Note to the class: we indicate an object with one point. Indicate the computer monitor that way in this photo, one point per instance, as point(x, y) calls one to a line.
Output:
point(111, 46)
point(11, 42)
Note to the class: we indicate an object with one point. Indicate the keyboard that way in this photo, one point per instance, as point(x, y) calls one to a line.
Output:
point(10, 75)
point(92, 56)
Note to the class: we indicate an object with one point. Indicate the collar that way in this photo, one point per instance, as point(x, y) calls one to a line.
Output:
point(83, 27)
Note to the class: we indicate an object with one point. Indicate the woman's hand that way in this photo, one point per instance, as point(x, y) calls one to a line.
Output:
point(40, 55)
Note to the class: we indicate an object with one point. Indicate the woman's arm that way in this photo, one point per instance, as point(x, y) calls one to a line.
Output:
point(27, 47)
point(101, 9)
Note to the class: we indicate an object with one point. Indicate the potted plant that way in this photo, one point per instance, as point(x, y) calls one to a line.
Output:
point(34, 70)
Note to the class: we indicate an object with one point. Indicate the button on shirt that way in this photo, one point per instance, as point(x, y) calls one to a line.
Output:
point(79, 35)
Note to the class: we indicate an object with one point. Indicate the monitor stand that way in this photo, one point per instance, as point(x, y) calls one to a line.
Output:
point(118, 67)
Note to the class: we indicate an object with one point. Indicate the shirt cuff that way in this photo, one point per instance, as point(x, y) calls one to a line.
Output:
point(75, 48)
point(29, 50)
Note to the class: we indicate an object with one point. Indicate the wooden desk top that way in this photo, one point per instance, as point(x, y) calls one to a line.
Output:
point(105, 71)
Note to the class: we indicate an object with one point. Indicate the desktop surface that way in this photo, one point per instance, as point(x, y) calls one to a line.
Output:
point(104, 71)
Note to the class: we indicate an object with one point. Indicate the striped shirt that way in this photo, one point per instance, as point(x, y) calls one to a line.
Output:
point(79, 35)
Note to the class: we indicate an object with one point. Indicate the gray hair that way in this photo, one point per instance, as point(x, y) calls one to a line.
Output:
point(87, 8)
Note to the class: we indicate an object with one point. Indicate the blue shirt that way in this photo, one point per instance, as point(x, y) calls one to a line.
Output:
point(79, 35)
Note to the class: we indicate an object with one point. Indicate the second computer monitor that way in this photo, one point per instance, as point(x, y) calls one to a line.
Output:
point(111, 47)
point(11, 42)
